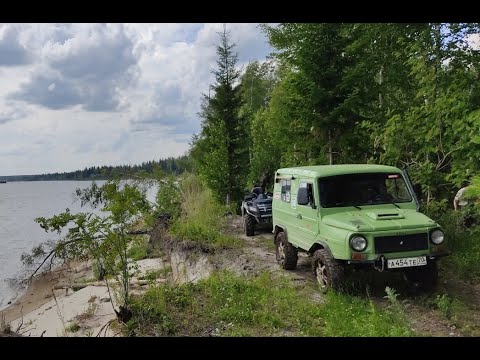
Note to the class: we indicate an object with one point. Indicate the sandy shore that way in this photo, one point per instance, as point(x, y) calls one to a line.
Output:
point(44, 311)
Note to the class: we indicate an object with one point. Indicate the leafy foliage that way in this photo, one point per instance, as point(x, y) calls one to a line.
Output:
point(101, 237)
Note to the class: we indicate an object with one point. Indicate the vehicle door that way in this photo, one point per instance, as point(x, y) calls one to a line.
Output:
point(307, 213)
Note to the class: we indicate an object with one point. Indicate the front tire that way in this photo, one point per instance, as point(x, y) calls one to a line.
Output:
point(286, 253)
point(249, 224)
point(328, 272)
point(424, 277)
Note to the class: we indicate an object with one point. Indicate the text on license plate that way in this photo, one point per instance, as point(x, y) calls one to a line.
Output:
point(407, 262)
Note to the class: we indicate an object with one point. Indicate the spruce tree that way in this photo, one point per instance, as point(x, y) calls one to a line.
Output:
point(221, 150)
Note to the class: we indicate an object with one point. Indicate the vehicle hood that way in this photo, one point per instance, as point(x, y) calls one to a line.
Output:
point(378, 219)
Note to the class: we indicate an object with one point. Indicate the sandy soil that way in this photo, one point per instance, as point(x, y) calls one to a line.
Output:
point(44, 311)
point(39, 292)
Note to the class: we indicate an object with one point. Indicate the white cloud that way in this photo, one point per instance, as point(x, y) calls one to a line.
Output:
point(95, 94)
point(474, 41)
point(87, 69)
point(13, 52)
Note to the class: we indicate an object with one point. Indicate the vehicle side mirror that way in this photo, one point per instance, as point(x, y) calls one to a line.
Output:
point(302, 198)
point(418, 190)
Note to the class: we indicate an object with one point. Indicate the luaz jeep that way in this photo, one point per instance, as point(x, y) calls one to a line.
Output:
point(256, 210)
point(354, 216)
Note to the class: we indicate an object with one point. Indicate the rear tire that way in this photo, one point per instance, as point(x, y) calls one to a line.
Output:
point(286, 253)
point(424, 277)
point(249, 224)
point(328, 272)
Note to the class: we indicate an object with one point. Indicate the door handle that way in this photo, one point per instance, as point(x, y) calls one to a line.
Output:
point(299, 216)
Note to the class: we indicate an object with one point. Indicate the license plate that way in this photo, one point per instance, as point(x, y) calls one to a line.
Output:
point(407, 262)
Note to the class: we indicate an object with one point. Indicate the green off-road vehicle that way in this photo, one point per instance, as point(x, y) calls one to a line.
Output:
point(354, 216)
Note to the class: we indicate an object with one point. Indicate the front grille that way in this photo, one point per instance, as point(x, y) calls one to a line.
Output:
point(388, 244)
point(265, 207)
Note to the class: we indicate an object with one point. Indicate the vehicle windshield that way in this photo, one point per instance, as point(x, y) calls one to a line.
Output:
point(363, 189)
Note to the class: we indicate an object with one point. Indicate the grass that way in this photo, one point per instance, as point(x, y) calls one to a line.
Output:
point(73, 327)
point(153, 275)
point(458, 313)
point(138, 250)
point(202, 218)
point(204, 234)
point(259, 306)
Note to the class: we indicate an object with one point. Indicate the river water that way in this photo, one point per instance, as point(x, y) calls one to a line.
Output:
point(20, 204)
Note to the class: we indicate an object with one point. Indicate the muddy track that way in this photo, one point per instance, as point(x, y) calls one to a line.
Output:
point(258, 254)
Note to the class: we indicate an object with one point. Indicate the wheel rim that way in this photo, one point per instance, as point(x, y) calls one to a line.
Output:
point(321, 273)
point(281, 252)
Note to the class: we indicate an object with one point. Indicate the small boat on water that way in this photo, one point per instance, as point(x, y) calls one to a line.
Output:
point(3, 182)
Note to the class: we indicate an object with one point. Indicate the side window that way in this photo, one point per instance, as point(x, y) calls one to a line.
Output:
point(286, 186)
point(311, 198)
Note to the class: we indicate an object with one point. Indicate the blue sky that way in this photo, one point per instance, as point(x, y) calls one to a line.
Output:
point(78, 95)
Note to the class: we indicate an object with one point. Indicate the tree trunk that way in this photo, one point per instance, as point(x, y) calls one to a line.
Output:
point(330, 148)
point(380, 82)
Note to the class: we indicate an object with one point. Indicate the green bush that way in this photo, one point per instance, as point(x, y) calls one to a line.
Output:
point(464, 243)
point(168, 199)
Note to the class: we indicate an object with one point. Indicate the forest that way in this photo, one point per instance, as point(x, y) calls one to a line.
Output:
point(169, 165)
point(406, 95)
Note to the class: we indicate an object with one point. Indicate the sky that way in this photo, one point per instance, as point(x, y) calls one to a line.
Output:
point(80, 95)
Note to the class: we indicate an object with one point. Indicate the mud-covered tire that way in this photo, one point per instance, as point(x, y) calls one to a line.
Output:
point(249, 224)
point(423, 277)
point(328, 272)
point(286, 253)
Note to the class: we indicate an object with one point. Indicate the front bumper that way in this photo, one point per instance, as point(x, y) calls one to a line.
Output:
point(380, 262)
point(264, 218)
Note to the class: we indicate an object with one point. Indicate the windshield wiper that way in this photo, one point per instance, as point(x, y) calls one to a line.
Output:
point(391, 202)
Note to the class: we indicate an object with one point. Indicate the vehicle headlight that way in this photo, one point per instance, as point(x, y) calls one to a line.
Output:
point(252, 208)
point(358, 243)
point(437, 237)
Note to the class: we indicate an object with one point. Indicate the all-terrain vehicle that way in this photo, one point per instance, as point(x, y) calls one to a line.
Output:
point(256, 210)
point(354, 216)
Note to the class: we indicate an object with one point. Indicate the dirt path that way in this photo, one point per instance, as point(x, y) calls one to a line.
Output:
point(422, 310)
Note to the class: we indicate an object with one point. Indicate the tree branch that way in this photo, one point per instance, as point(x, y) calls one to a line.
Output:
point(52, 252)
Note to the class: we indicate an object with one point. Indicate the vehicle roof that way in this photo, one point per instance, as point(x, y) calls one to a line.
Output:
point(332, 170)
